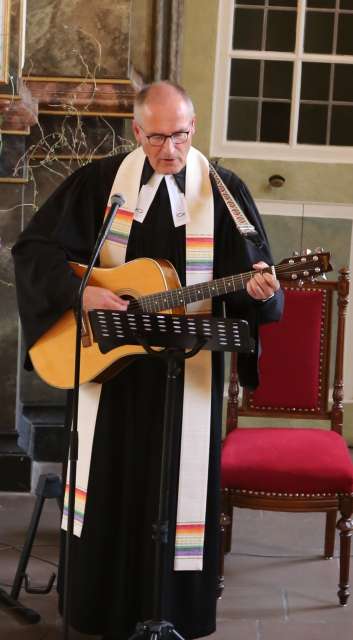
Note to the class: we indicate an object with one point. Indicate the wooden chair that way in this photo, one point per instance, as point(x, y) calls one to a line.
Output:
point(287, 468)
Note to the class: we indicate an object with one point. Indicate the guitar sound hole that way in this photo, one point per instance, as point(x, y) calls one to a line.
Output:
point(134, 306)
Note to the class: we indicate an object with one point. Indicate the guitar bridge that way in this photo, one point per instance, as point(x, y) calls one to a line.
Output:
point(86, 340)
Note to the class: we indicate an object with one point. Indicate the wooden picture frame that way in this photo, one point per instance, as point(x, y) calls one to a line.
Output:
point(5, 12)
point(12, 17)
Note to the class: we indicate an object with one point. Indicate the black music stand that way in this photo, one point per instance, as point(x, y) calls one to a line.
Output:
point(174, 333)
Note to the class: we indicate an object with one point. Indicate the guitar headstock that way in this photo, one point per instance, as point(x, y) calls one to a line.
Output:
point(304, 267)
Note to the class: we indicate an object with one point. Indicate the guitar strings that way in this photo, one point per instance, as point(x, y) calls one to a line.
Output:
point(160, 298)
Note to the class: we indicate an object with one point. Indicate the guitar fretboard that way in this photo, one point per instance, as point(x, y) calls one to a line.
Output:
point(298, 267)
point(192, 293)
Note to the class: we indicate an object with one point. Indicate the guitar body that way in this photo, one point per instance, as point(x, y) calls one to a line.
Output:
point(53, 355)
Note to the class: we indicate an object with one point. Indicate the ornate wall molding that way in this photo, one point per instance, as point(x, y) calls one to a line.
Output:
point(81, 96)
point(19, 113)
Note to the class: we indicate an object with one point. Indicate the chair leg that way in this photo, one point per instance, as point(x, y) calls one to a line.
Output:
point(227, 515)
point(345, 527)
point(330, 531)
point(228, 529)
point(224, 523)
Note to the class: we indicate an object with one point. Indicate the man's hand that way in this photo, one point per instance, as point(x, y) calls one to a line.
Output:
point(100, 298)
point(263, 285)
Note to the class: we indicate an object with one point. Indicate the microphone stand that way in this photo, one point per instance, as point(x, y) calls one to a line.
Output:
point(116, 202)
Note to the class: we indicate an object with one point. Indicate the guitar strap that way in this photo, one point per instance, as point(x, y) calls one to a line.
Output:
point(194, 460)
point(243, 225)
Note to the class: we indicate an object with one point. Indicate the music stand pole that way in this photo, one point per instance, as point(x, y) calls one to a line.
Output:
point(157, 627)
point(116, 202)
point(112, 328)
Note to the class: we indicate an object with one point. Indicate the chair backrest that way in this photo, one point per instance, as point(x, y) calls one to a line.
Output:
point(295, 358)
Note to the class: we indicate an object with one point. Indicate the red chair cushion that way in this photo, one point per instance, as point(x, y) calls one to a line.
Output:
point(286, 461)
point(284, 381)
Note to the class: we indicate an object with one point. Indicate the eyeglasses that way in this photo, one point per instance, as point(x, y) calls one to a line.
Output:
point(158, 139)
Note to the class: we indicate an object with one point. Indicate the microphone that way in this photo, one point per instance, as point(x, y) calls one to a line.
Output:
point(117, 198)
point(116, 201)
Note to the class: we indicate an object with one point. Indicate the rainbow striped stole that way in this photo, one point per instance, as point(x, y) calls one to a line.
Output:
point(189, 539)
point(120, 229)
point(80, 505)
point(199, 254)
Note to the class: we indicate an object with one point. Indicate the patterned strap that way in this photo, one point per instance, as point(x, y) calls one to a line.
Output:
point(242, 223)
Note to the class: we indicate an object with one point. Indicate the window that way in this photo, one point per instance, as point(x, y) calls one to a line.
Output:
point(284, 80)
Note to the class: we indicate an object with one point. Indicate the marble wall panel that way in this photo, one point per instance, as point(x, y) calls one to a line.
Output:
point(12, 149)
point(32, 391)
point(86, 38)
point(142, 29)
point(45, 179)
point(86, 138)
point(10, 221)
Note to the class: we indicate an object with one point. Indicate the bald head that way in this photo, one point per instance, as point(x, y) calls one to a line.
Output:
point(161, 95)
point(164, 123)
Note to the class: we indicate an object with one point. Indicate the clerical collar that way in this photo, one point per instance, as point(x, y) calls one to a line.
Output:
point(175, 183)
point(148, 171)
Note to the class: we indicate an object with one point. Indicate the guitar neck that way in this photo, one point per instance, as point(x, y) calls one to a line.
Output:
point(192, 293)
point(299, 267)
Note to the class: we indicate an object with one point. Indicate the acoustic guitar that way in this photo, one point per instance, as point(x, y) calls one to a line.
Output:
point(152, 286)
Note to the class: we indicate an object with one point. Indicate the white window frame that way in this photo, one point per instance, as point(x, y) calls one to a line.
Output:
point(223, 148)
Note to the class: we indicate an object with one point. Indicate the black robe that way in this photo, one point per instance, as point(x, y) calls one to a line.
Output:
point(112, 562)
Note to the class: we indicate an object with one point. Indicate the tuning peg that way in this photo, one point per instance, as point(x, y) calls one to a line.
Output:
point(295, 254)
point(319, 250)
point(323, 275)
point(300, 283)
point(307, 252)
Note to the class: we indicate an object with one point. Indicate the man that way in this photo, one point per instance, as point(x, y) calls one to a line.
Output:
point(170, 202)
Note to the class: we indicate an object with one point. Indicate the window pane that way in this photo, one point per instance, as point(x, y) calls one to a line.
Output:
point(261, 90)
point(240, 2)
point(283, 3)
point(278, 79)
point(242, 120)
point(342, 126)
point(321, 4)
point(315, 81)
point(343, 82)
point(346, 4)
point(281, 30)
point(312, 124)
point(345, 34)
point(247, 29)
point(318, 32)
point(275, 122)
point(244, 78)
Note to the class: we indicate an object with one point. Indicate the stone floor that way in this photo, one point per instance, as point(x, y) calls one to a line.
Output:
point(277, 585)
